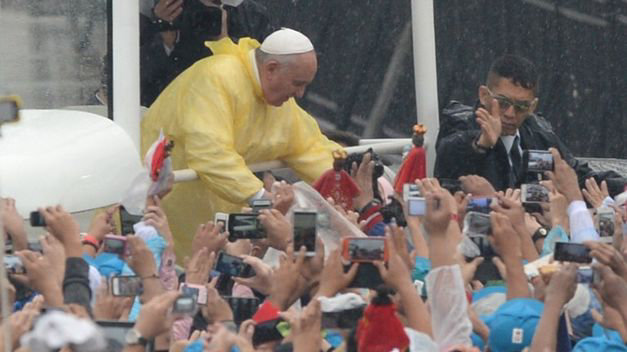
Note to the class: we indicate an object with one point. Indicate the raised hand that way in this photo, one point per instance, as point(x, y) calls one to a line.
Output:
point(564, 178)
point(593, 194)
point(490, 123)
point(13, 224)
point(278, 228)
point(262, 281)
point(477, 186)
point(168, 10)
point(363, 178)
point(102, 224)
point(64, 227)
point(333, 278)
point(208, 236)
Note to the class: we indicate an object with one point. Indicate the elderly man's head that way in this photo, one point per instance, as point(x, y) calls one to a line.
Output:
point(287, 63)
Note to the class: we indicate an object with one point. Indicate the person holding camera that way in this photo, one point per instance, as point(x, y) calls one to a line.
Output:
point(233, 109)
point(489, 139)
point(174, 38)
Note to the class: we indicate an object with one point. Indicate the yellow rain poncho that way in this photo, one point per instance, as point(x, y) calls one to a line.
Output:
point(216, 115)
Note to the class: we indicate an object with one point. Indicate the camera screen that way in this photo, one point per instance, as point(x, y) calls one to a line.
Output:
point(305, 231)
point(539, 160)
point(585, 275)
point(232, 266)
point(127, 286)
point(483, 243)
point(534, 193)
point(416, 206)
point(476, 224)
point(13, 265)
point(259, 204)
point(366, 249)
point(184, 304)
point(411, 190)
point(114, 245)
point(127, 220)
point(479, 205)
point(244, 226)
point(606, 225)
point(36, 220)
point(571, 252)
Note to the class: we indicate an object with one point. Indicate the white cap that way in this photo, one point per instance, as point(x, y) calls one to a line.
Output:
point(286, 41)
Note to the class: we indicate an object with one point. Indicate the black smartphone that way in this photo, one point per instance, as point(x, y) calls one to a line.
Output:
point(233, 266)
point(538, 161)
point(242, 225)
point(114, 244)
point(126, 286)
point(266, 332)
point(305, 231)
point(205, 21)
point(127, 220)
point(571, 252)
point(368, 276)
point(36, 219)
point(243, 307)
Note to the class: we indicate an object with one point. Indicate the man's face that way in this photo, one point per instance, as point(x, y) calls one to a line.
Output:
point(514, 103)
point(281, 82)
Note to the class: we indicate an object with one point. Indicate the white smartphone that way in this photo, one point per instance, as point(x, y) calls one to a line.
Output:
point(222, 218)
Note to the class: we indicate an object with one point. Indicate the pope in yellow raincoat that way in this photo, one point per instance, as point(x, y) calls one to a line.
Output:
point(220, 121)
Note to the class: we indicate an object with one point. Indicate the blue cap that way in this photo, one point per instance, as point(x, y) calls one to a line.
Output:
point(487, 291)
point(513, 325)
point(590, 344)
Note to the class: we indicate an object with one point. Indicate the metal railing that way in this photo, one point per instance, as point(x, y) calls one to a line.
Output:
point(380, 146)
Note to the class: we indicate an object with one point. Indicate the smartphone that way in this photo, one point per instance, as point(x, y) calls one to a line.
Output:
point(221, 218)
point(258, 204)
point(572, 252)
point(244, 226)
point(114, 244)
point(411, 190)
point(184, 306)
point(35, 247)
point(364, 249)
point(197, 291)
point(604, 220)
point(483, 243)
point(416, 206)
point(127, 220)
point(36, 219)
point(13, 265)
point(233, 266)
point(126, 286)
point(243, 307)
point(479, 205)
point(477, 224)
point(585, 275)
point(534, 193)
point(305, 231)
point(538, 160)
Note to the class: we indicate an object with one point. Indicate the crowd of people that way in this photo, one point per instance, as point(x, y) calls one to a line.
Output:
point(482, 266)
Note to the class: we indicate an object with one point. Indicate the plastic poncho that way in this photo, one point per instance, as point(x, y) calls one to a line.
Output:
point(219, 121)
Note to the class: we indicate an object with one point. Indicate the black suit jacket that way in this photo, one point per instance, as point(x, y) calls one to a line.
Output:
point(456, 157)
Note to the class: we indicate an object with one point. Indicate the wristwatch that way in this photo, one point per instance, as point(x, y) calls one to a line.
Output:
point(133, 337)
point(539, 234)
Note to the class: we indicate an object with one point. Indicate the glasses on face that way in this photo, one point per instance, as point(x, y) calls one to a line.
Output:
point(505, 103)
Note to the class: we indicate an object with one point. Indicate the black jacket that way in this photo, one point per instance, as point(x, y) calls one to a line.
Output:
point(158, 69)
point(456, 156)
